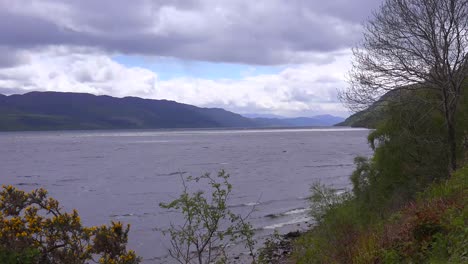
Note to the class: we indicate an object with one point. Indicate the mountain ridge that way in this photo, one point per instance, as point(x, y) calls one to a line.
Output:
point(71, 111)
point(82, 111)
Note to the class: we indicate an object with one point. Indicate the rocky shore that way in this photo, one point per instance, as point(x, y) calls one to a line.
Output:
point(275, 250)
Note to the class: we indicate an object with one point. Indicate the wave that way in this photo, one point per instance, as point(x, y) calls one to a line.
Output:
point(268, 202)
point(329, 165)
point(296, 211)
point(151, 141)
point(92, 157)
point(273, 215)
point(119, 216)
point(340, 191)
point(122, 215)
point(27, 184)
point(290, 222)
point(69, 180)
point(28, 176)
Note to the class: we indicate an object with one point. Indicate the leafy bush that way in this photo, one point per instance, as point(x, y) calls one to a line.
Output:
point(34, 229)
point(209, 226)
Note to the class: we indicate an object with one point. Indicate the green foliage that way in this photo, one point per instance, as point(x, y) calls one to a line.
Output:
point(209, 225)
point(323, 200)
point(410, 152)
point(33, 229)
point(450, 246)
point(339, 227)
point(27, 256)
point(339, 220)
point(450, 188)
point(433, 228)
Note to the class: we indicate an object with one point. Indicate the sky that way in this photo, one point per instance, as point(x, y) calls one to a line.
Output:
point(287, 58)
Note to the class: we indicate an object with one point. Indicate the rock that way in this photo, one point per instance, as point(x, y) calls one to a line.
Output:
point(293, 234)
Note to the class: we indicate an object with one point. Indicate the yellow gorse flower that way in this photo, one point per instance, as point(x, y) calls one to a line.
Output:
point(34, 221)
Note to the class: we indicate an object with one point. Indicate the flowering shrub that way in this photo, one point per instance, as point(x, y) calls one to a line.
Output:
point(33, 229)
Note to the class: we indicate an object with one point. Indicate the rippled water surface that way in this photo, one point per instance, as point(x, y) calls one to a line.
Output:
point(124, 175)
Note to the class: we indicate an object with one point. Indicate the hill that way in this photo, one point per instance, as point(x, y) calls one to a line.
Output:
point(66, 111)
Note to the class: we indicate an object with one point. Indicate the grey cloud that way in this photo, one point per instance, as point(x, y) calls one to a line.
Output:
point(11, 57)
point(244, 31)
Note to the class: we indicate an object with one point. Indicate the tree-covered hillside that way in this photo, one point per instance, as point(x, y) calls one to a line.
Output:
point(54, 110)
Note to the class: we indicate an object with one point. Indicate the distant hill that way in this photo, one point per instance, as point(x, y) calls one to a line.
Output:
point(320, 120)
point(63, 111)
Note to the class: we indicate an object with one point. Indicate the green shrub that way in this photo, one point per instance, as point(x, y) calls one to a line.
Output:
point(209, 225)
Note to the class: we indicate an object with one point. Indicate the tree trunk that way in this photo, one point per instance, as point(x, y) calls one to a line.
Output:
point(452, 141)
point(450, 111)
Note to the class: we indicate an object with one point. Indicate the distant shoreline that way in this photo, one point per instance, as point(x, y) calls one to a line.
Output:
point(188, 129)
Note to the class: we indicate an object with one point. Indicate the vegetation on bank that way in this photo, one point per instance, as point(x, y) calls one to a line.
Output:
point(407, 205)
point(431, 228)
point(408, 201)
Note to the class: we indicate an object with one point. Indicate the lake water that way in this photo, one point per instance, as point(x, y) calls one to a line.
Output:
point(124, 175)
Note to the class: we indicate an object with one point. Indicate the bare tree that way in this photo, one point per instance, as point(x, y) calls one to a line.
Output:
point(414, 44)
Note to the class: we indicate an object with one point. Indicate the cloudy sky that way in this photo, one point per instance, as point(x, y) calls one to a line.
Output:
point(283, 57)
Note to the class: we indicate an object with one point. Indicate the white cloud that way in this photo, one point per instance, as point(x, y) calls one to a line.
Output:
point(300, 90)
